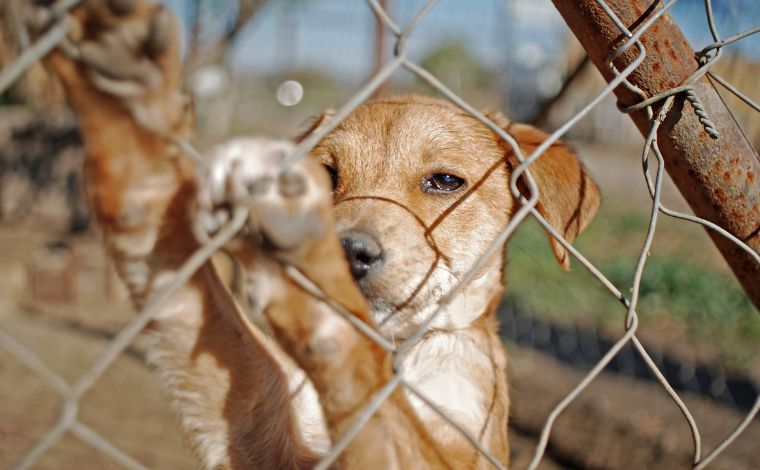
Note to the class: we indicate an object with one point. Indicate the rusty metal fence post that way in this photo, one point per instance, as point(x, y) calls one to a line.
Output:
point(719, 177)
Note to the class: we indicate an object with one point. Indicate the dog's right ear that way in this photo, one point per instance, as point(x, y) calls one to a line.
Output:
point(568, 197)
point(313, 124)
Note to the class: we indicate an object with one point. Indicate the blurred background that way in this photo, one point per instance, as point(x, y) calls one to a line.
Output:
point(265, 67)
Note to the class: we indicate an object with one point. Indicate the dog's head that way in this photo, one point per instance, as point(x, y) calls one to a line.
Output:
point(421, 188)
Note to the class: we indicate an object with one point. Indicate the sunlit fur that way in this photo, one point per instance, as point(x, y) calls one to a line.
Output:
point(241, 394)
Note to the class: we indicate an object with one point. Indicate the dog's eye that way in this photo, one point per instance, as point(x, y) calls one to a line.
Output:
point(333, 176)
point(442, 183)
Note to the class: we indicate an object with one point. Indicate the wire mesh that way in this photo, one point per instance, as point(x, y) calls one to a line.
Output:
point(708, 56)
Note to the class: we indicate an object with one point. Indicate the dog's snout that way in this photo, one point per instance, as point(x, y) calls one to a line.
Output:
point(363, 251)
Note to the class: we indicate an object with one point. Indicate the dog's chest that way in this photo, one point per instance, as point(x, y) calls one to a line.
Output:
point(450, 369)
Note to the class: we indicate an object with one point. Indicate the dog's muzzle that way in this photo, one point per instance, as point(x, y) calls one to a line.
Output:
point(363, 252)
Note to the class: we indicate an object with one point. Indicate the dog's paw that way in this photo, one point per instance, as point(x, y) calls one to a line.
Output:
point(128, 51)
point(286, 208)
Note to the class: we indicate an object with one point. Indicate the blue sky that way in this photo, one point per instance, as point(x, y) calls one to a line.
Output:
point(337, 36)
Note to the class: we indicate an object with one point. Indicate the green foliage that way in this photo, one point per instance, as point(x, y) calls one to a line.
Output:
point(535, 280)
point(711, 304)
point(705, 302)
point(687, 290)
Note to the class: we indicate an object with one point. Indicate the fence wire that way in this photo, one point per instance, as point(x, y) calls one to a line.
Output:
point(57, 27)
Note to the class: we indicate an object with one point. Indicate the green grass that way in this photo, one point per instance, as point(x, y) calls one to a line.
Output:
point(682, 286)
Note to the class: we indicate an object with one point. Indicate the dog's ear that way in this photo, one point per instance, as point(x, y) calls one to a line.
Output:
point(313, 124)
point(568, 197)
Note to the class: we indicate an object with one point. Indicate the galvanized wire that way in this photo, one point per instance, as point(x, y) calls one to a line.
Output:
point(58, 27)
point(747, 100)
point(73, 394)
point(46, 43)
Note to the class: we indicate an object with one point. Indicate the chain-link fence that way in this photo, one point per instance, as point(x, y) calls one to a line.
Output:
point(657, 108)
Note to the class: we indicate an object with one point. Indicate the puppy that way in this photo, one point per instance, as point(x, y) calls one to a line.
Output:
point(385, 216)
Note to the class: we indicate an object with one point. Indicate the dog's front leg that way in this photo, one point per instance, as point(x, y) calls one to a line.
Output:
point(296, 262)
point(121, 71)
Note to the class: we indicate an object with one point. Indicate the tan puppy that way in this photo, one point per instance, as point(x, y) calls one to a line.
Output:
point(420, 189)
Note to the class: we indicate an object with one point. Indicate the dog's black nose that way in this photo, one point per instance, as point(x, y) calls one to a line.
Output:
point(362, 251)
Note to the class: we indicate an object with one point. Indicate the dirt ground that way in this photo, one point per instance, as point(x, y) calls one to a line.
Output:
point(126, 406)
point(68, 324)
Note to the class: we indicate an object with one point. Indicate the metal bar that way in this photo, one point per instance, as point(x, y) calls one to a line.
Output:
point(720, 178)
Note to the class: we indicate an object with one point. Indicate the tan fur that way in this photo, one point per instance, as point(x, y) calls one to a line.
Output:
point(240, 392)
